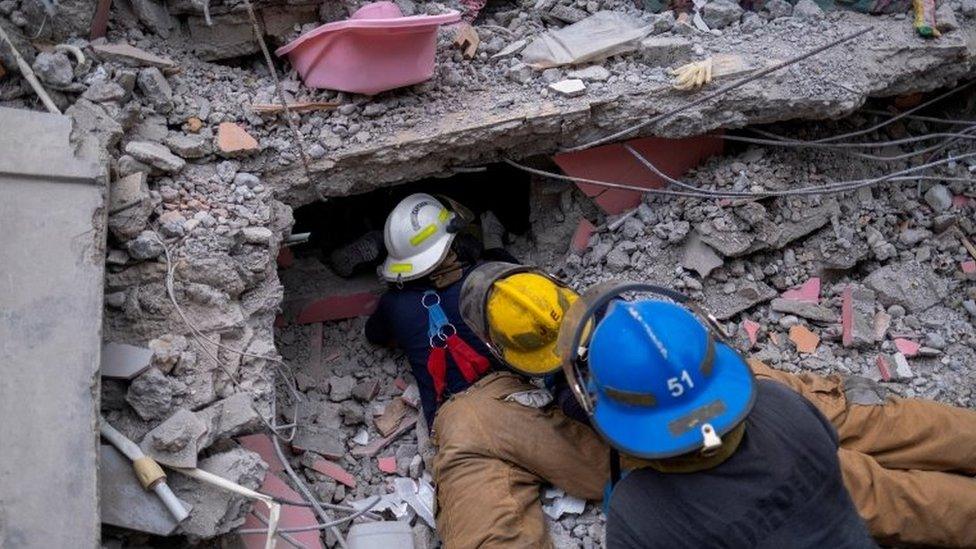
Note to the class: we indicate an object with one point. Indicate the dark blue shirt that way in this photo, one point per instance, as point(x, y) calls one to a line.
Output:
point(781, 489)
point(400, 319)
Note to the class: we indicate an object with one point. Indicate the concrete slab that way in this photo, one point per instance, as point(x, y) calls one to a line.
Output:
point(124, 502)
point(52, 218)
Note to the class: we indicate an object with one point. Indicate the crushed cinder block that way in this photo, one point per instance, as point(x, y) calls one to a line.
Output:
point(123, 502)
point(123, 361)
point(857, 314)
point(176, 441)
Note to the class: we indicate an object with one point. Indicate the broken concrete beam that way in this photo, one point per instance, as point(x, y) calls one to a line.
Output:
point(804, 309)
point(914, 286)
point(176, 441)
point(123, 502)
point(857, 314)
point(123, 361)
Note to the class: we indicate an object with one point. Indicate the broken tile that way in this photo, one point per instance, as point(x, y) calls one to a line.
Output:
point(123, 361)
point(857, 314)
point(884, 366)
point(809, 291)
point(394, 412)
point(698, 256)
point(375, 446)
point(262, 445)
point(804, 340)
point(581, 238)
point(124, 502)
point(906, 347)
point(387, 464)
point(752, 330)
point(339, 307)
point(233, 140)
point(292, 516)
point(334, 471)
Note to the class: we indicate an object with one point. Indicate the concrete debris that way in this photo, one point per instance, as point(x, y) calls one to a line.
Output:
point(721, 13)
point(807, 9)
point(908, 284)
point(593, 73)
point(804, 309)
point(189, 146)
point(53, 69)
point(176, 441)
point(857, 314)
point(569, 88)
point(155, 89)
point(325, 441)
point(156, 155)
point(151, 394)
point(229, 417)
point(699, 257)
point(131, 56)
point(902, 370)
point(939, 197)
point(562, 505)
point(666, 51)
point(217, 511)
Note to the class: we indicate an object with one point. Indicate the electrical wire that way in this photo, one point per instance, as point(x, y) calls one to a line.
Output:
point(721, 91)
point(320, 526)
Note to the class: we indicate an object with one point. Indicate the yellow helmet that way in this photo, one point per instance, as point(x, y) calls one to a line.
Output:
point(517, 311)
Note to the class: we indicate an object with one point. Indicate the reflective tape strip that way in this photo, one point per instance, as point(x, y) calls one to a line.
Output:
point(401, 267)
point(442, 217)
point(424, 234)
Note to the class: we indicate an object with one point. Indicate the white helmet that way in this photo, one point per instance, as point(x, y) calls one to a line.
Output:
point(416, 237)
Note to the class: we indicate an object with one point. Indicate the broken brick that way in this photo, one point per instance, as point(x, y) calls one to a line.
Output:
point(809, 291)
point(291, 517)
point(339, 307)
point(804, 340)
point(376, 445)
point(262, 445)
point(334, 471)
point(968, 268)
point(387, 464)
point(400, 384)
point(194, 124)
point(467, 39)
point(581, 238)
point(906, 347)
point(960, 201)
point(388, 422)
point(286, 258)
point(884, 367)
point(752, 330)
point(234, 140)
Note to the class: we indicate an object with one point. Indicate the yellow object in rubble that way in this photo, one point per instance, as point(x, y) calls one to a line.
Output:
point(524, 313)
point(696, 74)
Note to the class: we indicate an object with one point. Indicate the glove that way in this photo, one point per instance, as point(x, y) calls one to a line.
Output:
point(693, 75)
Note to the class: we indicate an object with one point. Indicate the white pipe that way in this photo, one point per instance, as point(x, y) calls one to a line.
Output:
point(28, 74)
point(133, 452)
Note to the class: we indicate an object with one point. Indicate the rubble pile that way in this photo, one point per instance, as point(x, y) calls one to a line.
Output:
point(178, 104)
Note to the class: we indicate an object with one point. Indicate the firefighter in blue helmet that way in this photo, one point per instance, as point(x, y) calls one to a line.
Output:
point(706, 455)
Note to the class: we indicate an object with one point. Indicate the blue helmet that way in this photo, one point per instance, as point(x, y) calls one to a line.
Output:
point(661, 385)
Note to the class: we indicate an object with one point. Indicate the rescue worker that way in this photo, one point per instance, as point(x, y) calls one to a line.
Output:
point(715, 458)
point(428, 259)
point(906, 463)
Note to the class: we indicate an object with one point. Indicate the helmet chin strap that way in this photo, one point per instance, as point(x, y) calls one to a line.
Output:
point(693, 461)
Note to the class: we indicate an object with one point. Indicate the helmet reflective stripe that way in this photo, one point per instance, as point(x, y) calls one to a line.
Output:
point(417, 238)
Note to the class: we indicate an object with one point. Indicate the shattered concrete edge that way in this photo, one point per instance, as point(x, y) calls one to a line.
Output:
point(873, 66)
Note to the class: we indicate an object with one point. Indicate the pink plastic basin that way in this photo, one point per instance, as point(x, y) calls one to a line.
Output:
point(375, 50)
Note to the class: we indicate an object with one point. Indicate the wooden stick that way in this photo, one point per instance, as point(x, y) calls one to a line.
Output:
point(28, 73)
point(301, 106)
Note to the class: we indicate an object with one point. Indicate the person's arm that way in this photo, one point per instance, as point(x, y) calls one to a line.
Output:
point(377, 329)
